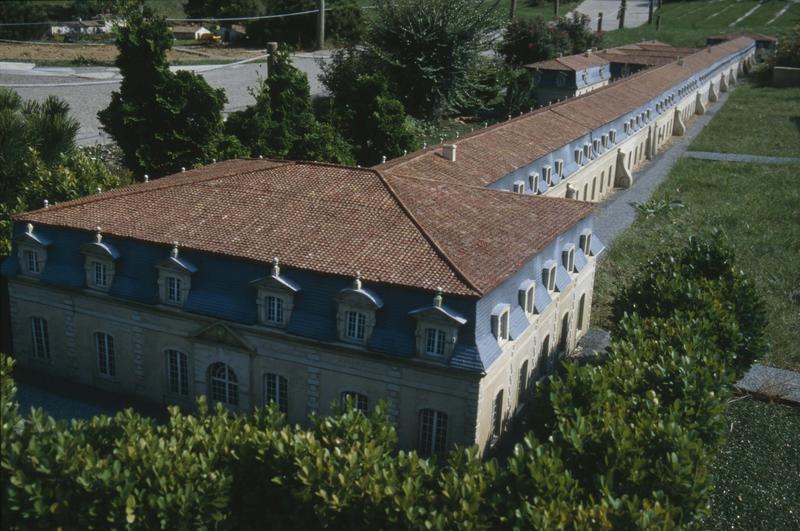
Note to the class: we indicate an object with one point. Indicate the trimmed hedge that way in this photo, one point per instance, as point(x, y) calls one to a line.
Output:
point(629, 443)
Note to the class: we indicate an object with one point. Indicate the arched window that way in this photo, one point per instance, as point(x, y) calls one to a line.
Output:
point(432, 433)
point(360, 400)
point(562, 340)
point(223, 384)
point(177, 372)
point(106, 359)
point(41, 340)
point(522, 387)
point(276, 389)
point(497, 414)
point(581, 308)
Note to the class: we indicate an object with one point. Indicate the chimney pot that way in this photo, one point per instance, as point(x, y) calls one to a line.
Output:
point(449, 152)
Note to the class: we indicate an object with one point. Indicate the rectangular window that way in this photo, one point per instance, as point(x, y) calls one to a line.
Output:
point(100, 276)
point(432, 433)
point(276, 389)
point(274, 309)
point(173, 289)
point(534, 179)
point(360, 401)
point(434, 342)
point(529, 300)
point(104, 347)
point(41, 341)
point(32, 261)
point(504, 325)
point(356, 322)
point(560, 167)
point(178, 372)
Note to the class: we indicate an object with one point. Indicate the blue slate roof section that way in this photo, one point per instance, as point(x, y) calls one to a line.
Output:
point(440, 310)
point(489, 349)
point(466, 357)
point(541, 299)
point(218, 304)
point(525, 284)
point(555, 179)
point(278, 280)
point(542, 186)
point(374, 299)
point(580, 260)
point(597, 246)
point(9, 266)
point(180, 263)
point(518, 322)
point(102, 248)
point(33, 237)
point(562, 278)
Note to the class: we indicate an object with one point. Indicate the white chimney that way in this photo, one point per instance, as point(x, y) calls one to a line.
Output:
point(449, 152)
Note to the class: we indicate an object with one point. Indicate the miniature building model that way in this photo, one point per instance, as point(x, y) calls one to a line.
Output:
point(443, 282)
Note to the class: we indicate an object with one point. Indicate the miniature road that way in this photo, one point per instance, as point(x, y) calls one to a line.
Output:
point(87, 90)
point(636, 12)
point(616, 214)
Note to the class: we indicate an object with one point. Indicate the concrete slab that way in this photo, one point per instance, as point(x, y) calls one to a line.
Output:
point(772, 383)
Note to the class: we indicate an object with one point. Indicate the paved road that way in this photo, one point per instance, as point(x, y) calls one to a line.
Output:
point(88, 89)
point(635, 14)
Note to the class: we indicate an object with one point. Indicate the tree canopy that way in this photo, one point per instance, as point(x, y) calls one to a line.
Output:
point(162, 120)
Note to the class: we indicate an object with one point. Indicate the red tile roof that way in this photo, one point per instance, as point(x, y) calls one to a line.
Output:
point(570, 62)
point(488, 154)
point(331, 219)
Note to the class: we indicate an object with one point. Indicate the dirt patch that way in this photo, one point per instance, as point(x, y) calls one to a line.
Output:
point(105, 54)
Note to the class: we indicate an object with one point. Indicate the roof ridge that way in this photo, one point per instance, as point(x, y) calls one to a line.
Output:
point(95, 198)
point(450, 262)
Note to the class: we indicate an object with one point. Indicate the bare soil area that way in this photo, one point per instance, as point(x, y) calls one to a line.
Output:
point(105, 54)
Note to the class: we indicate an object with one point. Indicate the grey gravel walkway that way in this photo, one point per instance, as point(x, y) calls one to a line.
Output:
point(616, 214)
point(738, 157)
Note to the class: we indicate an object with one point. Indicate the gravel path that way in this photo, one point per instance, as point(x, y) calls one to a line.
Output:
point(616, 214)
point(636, 12)
point(737, 157)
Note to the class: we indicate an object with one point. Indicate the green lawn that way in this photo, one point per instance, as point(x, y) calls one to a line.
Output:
point(756, 206)
point(755, 121)
point(757, 471)
point(689, 23)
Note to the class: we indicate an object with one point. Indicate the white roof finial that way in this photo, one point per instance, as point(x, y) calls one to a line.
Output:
point(99, 190)
point(437, 299)
point(98, 234)
point(46, 203)
point(174, 252)
point(276, 268)
point(213, 161)
point(29, 228)
point(357, 280)
point(424, 145)
point(146, 178)
point(183, 169)
point(383, 159)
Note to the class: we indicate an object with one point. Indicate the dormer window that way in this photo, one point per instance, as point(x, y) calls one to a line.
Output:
point(586, 151)
point(356, 313)
point(549, 275)
point(32, 261)
point(519, 187)
point(174, 278)
point(626, 127)
point(100, 277)
point(437, 329)
point(648, 115)
point(100, 259)
point(596, 146)
point(631, 124)
point(547, 172)
point(526, 296)
point(32, 252)
point(435, 339)
point(579, 156)
point(534, 180)
point(174, 290)
point(568, 258)
point(604, 141)
point(586, 242)
point(612, 136)
point(560, 167)
point(500, 322)
point(275, 299)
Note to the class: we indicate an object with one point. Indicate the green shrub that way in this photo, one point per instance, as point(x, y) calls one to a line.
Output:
point(626, 442)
